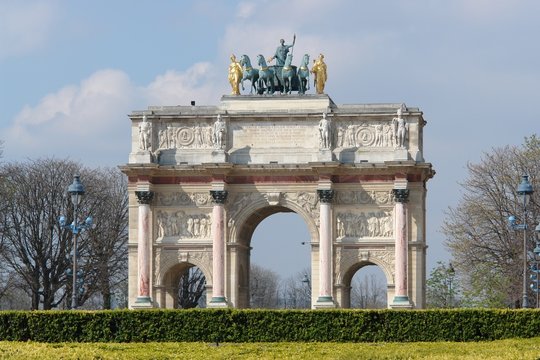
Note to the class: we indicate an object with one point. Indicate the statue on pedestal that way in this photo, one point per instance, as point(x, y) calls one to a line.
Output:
point(400, 129)
point(235, 75)
point(281, 52)
point(319, 69)
point(325, 133)
point(220, 133)
point(144, 134)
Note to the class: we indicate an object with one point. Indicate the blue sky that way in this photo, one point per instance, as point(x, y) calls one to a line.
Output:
point(70, 71)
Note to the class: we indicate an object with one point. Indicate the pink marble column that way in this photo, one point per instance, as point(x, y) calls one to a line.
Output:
point(401, 295)
point(143, 246)
point(325, 246)
point(218, 248)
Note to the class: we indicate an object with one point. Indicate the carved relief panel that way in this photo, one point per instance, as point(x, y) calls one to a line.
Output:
point(183, 215)
point(378, 134)
point(368, 224)
point(183, 136)
point(374, 220)
point(180, 224)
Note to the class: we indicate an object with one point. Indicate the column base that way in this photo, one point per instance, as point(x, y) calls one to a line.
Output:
point(218, 302)
point(325, 302)
point(143, 302)
point(401, 302)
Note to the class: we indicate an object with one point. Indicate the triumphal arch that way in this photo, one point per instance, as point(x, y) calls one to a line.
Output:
point(201, 178)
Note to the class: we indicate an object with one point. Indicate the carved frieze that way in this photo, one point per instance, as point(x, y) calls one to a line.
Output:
point(364, 197)
point(371, 134)
point(178, 223)
point(199, 136)
point(183, 199)
point(372, 224)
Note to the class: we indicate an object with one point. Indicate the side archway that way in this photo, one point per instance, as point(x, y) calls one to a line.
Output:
point(353, 261)
point(170, 265)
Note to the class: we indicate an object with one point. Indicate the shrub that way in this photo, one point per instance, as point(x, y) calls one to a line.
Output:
point(230, 325)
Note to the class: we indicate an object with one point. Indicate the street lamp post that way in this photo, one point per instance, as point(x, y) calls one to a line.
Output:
point(306, 281)
point(76, 191)
point(451, 275)
point(524, 191)
point(535, 276)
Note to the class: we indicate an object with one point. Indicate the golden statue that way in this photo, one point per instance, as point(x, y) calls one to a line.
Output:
point(235, 75)
point(319, 69)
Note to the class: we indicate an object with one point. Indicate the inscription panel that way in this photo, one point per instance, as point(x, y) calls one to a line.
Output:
point(274, 135)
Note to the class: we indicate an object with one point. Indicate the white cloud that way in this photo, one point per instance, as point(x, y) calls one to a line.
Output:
point(487, 11)
point(88, 121)
point(25, 26)
point(180, 88)
point(246, 10)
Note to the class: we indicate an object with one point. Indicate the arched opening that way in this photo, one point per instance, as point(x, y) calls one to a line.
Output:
point(278, 255)
point(186, 286)
point(368, 287)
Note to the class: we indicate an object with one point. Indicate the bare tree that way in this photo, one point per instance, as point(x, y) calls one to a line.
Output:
point(104, 249)
point(263, 285)
point(368, 293)
point(192, 289)
point(33, 244)
point(37, 248)
point(487, 253)
point(296, 291)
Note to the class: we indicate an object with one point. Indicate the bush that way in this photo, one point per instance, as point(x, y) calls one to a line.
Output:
point(229, 325)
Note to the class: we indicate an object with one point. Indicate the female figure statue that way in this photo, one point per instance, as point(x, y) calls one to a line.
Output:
point(319, 69)
point(235, 75)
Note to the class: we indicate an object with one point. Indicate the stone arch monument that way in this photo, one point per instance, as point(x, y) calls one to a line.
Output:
point(201, 178)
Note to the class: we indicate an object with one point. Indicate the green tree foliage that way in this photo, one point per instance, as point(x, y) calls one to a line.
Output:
point(486, 251)
point(442, 288)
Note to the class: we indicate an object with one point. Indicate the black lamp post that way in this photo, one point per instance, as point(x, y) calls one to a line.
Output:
point(451, 275)
point(306, 281)
point(524, 191)
point(76, 191)
point(535, 268)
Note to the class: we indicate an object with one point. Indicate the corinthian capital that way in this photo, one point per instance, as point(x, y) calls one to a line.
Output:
point(326, 196)
point(219, 196)
point(401, 195)
point(144, 197)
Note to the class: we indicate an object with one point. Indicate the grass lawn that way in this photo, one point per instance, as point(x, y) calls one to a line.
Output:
point(501, 349)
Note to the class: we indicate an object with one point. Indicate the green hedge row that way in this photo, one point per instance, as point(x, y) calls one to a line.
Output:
point(230, 325)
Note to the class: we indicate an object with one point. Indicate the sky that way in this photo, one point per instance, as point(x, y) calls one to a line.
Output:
point(71, 71)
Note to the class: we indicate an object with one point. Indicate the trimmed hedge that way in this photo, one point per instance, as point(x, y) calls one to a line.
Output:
point(230, 325)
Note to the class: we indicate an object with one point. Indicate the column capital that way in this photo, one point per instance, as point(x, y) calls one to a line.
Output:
point(219, 196)
point(144, 197)
point(401, 195)
point(326, 196)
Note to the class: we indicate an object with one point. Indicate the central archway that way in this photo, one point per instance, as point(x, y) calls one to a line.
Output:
point(279, 261)
point(241, 235)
